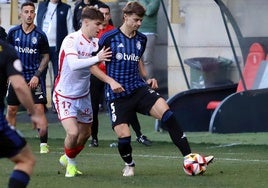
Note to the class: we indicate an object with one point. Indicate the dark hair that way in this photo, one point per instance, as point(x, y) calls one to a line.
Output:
point(91, 13)
point(103, 5)
point(134, 7)
point(27, 3)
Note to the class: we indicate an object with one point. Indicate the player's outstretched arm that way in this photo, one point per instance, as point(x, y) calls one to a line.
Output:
point(116, 87)
point(75, 63)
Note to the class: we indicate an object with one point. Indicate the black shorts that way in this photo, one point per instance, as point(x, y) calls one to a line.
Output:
point(11, 141)
point(141, 100)
point(38, 96)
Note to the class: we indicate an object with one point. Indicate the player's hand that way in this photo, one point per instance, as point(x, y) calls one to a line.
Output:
point(33, 82)
point(116, 87)
point(39, 122)
point(105, 54)
point(152, 82)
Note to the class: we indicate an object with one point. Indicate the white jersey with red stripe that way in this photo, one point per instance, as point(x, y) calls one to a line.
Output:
point(75, 58)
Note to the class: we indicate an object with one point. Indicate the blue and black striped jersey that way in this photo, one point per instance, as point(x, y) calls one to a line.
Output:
point(30, 48)
point(9, 65)
point(123, 67)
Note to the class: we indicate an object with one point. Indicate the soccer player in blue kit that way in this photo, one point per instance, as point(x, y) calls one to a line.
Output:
point(12, 145)
point(127, 92)
point(33, 50)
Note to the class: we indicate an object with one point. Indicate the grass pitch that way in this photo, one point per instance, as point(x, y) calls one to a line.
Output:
point(241, 160)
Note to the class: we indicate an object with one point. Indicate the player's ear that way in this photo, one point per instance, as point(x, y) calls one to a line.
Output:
point(86, 21)
point(124, 16)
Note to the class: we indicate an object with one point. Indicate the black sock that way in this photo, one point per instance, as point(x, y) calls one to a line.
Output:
point(175, 132)
point(18, 179)
point(125, 149)
point(44, 138)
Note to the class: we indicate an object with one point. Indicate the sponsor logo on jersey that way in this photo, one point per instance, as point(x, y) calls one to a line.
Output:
point(26, 50)
point(86, 54)
point(127, 57)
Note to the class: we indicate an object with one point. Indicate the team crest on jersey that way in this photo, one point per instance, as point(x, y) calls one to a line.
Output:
point(34, 40)
point(138, 45)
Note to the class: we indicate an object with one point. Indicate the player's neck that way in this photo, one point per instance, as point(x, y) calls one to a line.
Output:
point(128, 32)
point(28, 28)
point(86, 34)
point(54, 2)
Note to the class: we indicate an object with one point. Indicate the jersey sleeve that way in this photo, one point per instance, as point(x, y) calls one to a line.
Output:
point(69, 45)
point(102, 43)
point(43, 45)
point(9, 60)
point(144, 42)
point(10, 37)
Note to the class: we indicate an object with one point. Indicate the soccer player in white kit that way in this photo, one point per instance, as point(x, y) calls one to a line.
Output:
point(71, 93)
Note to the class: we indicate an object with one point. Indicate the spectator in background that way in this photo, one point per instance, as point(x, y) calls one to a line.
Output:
point(96, 85)
point(27, 38)
point(149, 28)
point(55, 19)
point(78, 11)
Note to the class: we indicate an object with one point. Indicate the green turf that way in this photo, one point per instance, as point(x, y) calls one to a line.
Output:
point(241, 161)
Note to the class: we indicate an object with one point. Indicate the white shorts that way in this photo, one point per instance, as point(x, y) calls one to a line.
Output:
point(80, 108)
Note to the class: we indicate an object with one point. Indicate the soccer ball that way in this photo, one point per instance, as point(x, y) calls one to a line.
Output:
point(194, 164)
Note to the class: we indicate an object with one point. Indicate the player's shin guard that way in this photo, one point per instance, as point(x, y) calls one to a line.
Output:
point(175, 132)
point(125, 149)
